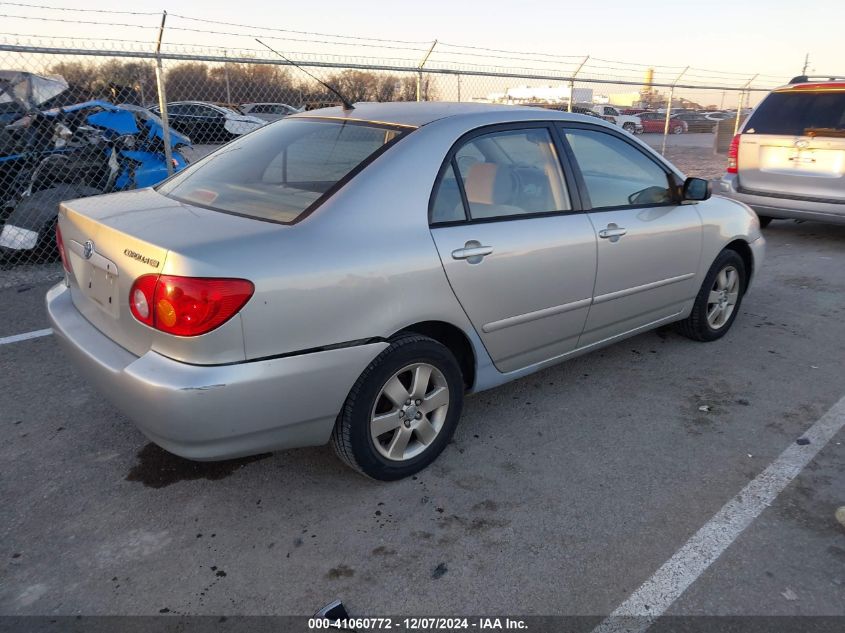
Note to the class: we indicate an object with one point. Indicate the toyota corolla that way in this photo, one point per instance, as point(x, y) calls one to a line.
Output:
point(348, 275)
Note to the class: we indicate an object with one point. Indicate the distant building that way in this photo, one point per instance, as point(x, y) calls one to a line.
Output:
point(525, 95)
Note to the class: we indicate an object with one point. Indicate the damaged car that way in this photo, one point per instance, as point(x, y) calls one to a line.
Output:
point(208, 122)
point(74, 151)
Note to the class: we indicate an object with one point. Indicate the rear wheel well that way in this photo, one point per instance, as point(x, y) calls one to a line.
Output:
point(454, 339)
point(742, 248)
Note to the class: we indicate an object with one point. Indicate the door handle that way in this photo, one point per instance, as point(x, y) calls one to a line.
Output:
point(612, 232)
point(472, 251)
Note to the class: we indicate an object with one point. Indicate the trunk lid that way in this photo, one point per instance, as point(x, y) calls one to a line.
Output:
point(112, 240)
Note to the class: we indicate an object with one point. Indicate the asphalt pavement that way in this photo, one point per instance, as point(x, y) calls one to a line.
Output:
point(562, 493)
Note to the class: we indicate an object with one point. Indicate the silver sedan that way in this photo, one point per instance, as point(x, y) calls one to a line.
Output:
point(348, 275)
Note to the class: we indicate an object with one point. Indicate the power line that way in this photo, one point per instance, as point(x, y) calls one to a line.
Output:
point(463, 50)
point(48, 8)
point(500, 50)
point(265, 28)
point(212, 32)
point(44, 19)
point(616, 61)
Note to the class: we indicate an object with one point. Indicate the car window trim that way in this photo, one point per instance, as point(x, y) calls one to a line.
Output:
point(671, 178)
point(571, 185)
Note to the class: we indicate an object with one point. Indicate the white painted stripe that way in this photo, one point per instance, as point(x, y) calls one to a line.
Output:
point(25, 337)
point(667, 584)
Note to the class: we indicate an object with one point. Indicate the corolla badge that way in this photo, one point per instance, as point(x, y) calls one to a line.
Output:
point(141, 258)
point(88, 249)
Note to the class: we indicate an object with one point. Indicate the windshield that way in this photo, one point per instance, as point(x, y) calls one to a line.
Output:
point(278, 172)
point(795, 113)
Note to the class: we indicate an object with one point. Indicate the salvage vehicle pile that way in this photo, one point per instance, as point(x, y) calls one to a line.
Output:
point(50, 153)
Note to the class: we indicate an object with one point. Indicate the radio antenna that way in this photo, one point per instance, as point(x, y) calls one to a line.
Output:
point(346, 104)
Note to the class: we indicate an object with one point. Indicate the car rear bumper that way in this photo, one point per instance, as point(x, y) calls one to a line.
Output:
point(213, 412)
point(794, 207)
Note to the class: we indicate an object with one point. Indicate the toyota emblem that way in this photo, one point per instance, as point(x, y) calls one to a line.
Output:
point(88, 249)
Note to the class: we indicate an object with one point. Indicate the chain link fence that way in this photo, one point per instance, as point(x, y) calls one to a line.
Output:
point(78, 121)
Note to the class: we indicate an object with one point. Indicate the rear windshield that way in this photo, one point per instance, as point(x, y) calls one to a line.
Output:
point(280, 171)
point(798, 113)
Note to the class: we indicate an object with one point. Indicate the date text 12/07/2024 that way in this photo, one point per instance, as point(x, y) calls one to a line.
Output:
point(417, 624)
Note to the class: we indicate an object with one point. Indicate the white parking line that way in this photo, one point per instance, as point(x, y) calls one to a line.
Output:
point(667, 584)
point(25, 336)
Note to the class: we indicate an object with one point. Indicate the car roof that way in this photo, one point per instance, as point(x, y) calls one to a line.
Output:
point(416, 114)
point(805, 83)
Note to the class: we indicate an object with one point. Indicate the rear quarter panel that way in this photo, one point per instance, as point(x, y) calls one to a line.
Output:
point(362, 265)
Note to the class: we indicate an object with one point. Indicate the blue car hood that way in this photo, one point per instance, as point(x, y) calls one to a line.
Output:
point(121, 120)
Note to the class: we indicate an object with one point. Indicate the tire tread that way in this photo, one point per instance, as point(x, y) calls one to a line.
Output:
point(341, 440)
point(695, 326)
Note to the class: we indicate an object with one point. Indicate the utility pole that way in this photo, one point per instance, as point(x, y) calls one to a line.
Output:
point(806, 64)
point(162, 99)
point(739, 105)
point(419, 70)
point(669, 108)
point(572, 82)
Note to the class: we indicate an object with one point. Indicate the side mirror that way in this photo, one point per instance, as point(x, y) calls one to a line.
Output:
point(696, 189)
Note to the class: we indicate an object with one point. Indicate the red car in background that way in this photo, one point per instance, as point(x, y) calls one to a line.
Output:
point(656, 121)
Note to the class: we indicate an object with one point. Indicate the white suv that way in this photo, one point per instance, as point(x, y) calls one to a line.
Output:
point(630, 123)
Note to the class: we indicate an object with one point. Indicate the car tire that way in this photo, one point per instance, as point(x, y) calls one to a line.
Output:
point(629, 127)
point(765, 220)
point(414, 438)
point(718, 301)
point(678, 129)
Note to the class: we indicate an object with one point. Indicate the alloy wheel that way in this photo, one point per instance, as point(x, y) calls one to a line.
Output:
point(409, 411)
point(723, 297)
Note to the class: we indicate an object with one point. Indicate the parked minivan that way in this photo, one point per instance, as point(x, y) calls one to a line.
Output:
point(788, 161)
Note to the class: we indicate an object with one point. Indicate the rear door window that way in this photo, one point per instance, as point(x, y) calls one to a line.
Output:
point(510, 173)
point(280, 171)
point(797, 113)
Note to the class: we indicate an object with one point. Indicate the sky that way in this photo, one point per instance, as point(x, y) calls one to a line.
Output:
point(731, 41)
point(758, 36)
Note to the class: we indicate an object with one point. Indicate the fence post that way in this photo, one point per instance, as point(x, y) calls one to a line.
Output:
point(459, 87)
point(419, 70)
point(162, 99)
point(226, 77)
point(669, 109)
point(572, 82)
point(739, 103)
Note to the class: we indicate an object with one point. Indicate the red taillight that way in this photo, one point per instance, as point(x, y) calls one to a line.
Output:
point(60, 244)
point(187, 306)
point(733, 155)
